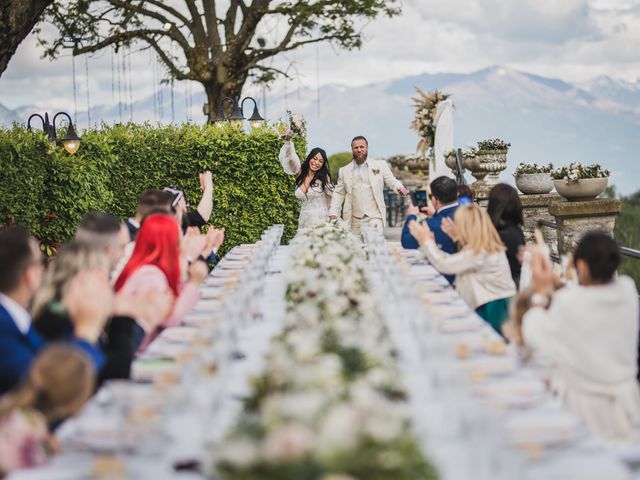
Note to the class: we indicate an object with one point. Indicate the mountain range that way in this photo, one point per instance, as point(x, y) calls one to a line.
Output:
point(544, 119)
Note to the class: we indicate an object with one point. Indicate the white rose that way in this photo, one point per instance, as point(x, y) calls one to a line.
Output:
point(339, 431)
point(241, 452)
point(289, 442)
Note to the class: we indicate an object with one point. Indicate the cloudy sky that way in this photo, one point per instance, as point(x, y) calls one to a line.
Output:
point(575, 40)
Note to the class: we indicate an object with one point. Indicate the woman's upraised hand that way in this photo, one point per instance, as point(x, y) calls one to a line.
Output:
point(420, 232)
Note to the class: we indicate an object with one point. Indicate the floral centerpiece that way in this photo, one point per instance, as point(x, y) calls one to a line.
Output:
point(532, 178)
point(424, 122)
point(329, 404)
point(580, 182)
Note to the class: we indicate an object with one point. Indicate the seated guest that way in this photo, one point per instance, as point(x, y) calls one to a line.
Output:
point(106, 233)
point(148, 201)
point(444, 195)
point(481, 267)
point(53, 322)
point(589, 332)
point(505, 211)
point(156, 264)
point(58, 384)
point(88, 301)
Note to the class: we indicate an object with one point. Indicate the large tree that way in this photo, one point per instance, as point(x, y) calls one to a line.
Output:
point(17, 19)
point(220, 44)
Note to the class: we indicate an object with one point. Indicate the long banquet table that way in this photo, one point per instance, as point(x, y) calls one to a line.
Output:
point(477, 410)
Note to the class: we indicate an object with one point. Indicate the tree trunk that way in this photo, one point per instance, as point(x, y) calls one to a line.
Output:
point(17, 19)
point(220, 86)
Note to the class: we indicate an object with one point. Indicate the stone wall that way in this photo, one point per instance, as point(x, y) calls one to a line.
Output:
point(536, 208)
point(574, 219)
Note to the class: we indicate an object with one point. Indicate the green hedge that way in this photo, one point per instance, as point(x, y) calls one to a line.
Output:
point(337, 161)
point(48, 191)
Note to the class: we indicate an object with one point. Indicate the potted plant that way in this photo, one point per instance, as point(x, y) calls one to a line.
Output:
point(450, 159)
point(533, 179)
point(580, 182)
point(492, 156)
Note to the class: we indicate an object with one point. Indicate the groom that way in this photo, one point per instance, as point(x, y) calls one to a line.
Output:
point(360, 189)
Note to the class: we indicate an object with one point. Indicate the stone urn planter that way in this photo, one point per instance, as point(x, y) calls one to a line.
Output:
point(534, 183)
point(583, 189)
point(450, 161)
point(493, 162)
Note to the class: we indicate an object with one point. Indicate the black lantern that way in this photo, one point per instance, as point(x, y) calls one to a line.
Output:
point(71, 140)
point(237, 112)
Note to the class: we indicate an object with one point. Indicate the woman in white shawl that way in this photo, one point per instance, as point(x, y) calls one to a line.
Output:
point(589, 332)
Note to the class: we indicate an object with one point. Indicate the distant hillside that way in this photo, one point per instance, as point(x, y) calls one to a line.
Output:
point(545, 119)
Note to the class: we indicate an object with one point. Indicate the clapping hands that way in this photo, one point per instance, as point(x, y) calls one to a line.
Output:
point(149, 309)
point(215, 238)
point(421, 232)
point(543, 278)
point(193, 243)
point(450, 228)
point(89, 301)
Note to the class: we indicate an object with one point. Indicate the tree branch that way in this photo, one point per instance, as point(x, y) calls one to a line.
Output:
point(197, 29)
point(175, 71)
point(250, 22)
point(211, 20)
point(169, 10)
point(115, 38)
point(174, 32)
point(230, 21)
point(265, 69)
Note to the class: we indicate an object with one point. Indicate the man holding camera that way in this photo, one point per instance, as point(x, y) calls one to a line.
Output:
point(444, 198)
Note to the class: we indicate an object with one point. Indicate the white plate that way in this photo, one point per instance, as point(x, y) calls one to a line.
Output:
point(179, 334)
point(468, 324)
point(552, 427)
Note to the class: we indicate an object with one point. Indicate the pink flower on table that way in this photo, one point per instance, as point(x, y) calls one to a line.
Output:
point(24, 440)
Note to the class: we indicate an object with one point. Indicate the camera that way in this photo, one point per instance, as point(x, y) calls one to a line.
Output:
point(419, 198)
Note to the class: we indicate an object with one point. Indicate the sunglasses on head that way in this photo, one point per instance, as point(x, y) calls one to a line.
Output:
point(177, 195)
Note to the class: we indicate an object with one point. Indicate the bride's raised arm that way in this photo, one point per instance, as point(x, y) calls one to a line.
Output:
point(289, 158)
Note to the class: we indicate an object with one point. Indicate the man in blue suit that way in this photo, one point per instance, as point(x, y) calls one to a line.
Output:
point(20, 277)
point(444, 197)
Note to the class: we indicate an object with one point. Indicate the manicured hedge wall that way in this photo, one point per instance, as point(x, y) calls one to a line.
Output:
point(48, 191)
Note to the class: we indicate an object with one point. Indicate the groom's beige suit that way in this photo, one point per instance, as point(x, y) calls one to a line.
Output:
point(358, 197)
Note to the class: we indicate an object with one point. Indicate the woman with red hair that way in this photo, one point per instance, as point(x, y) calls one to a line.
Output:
point(156, 264)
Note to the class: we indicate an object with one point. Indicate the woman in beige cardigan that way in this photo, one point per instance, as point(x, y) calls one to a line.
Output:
point(483, 277)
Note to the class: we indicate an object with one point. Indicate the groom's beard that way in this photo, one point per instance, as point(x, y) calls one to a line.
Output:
point(360, 159)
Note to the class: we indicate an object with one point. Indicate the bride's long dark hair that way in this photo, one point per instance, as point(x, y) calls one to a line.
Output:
point(323, 174)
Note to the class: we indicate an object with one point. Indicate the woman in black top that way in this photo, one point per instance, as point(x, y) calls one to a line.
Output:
point(505, 211)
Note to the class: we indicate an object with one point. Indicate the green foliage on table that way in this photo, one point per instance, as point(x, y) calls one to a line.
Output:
point(371, 461)
point(337, 161)
point(48, 191)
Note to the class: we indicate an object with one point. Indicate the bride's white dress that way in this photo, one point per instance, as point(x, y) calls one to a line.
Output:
point(314, 205)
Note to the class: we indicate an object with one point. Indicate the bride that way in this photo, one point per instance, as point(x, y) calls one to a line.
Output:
point(313, 182)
